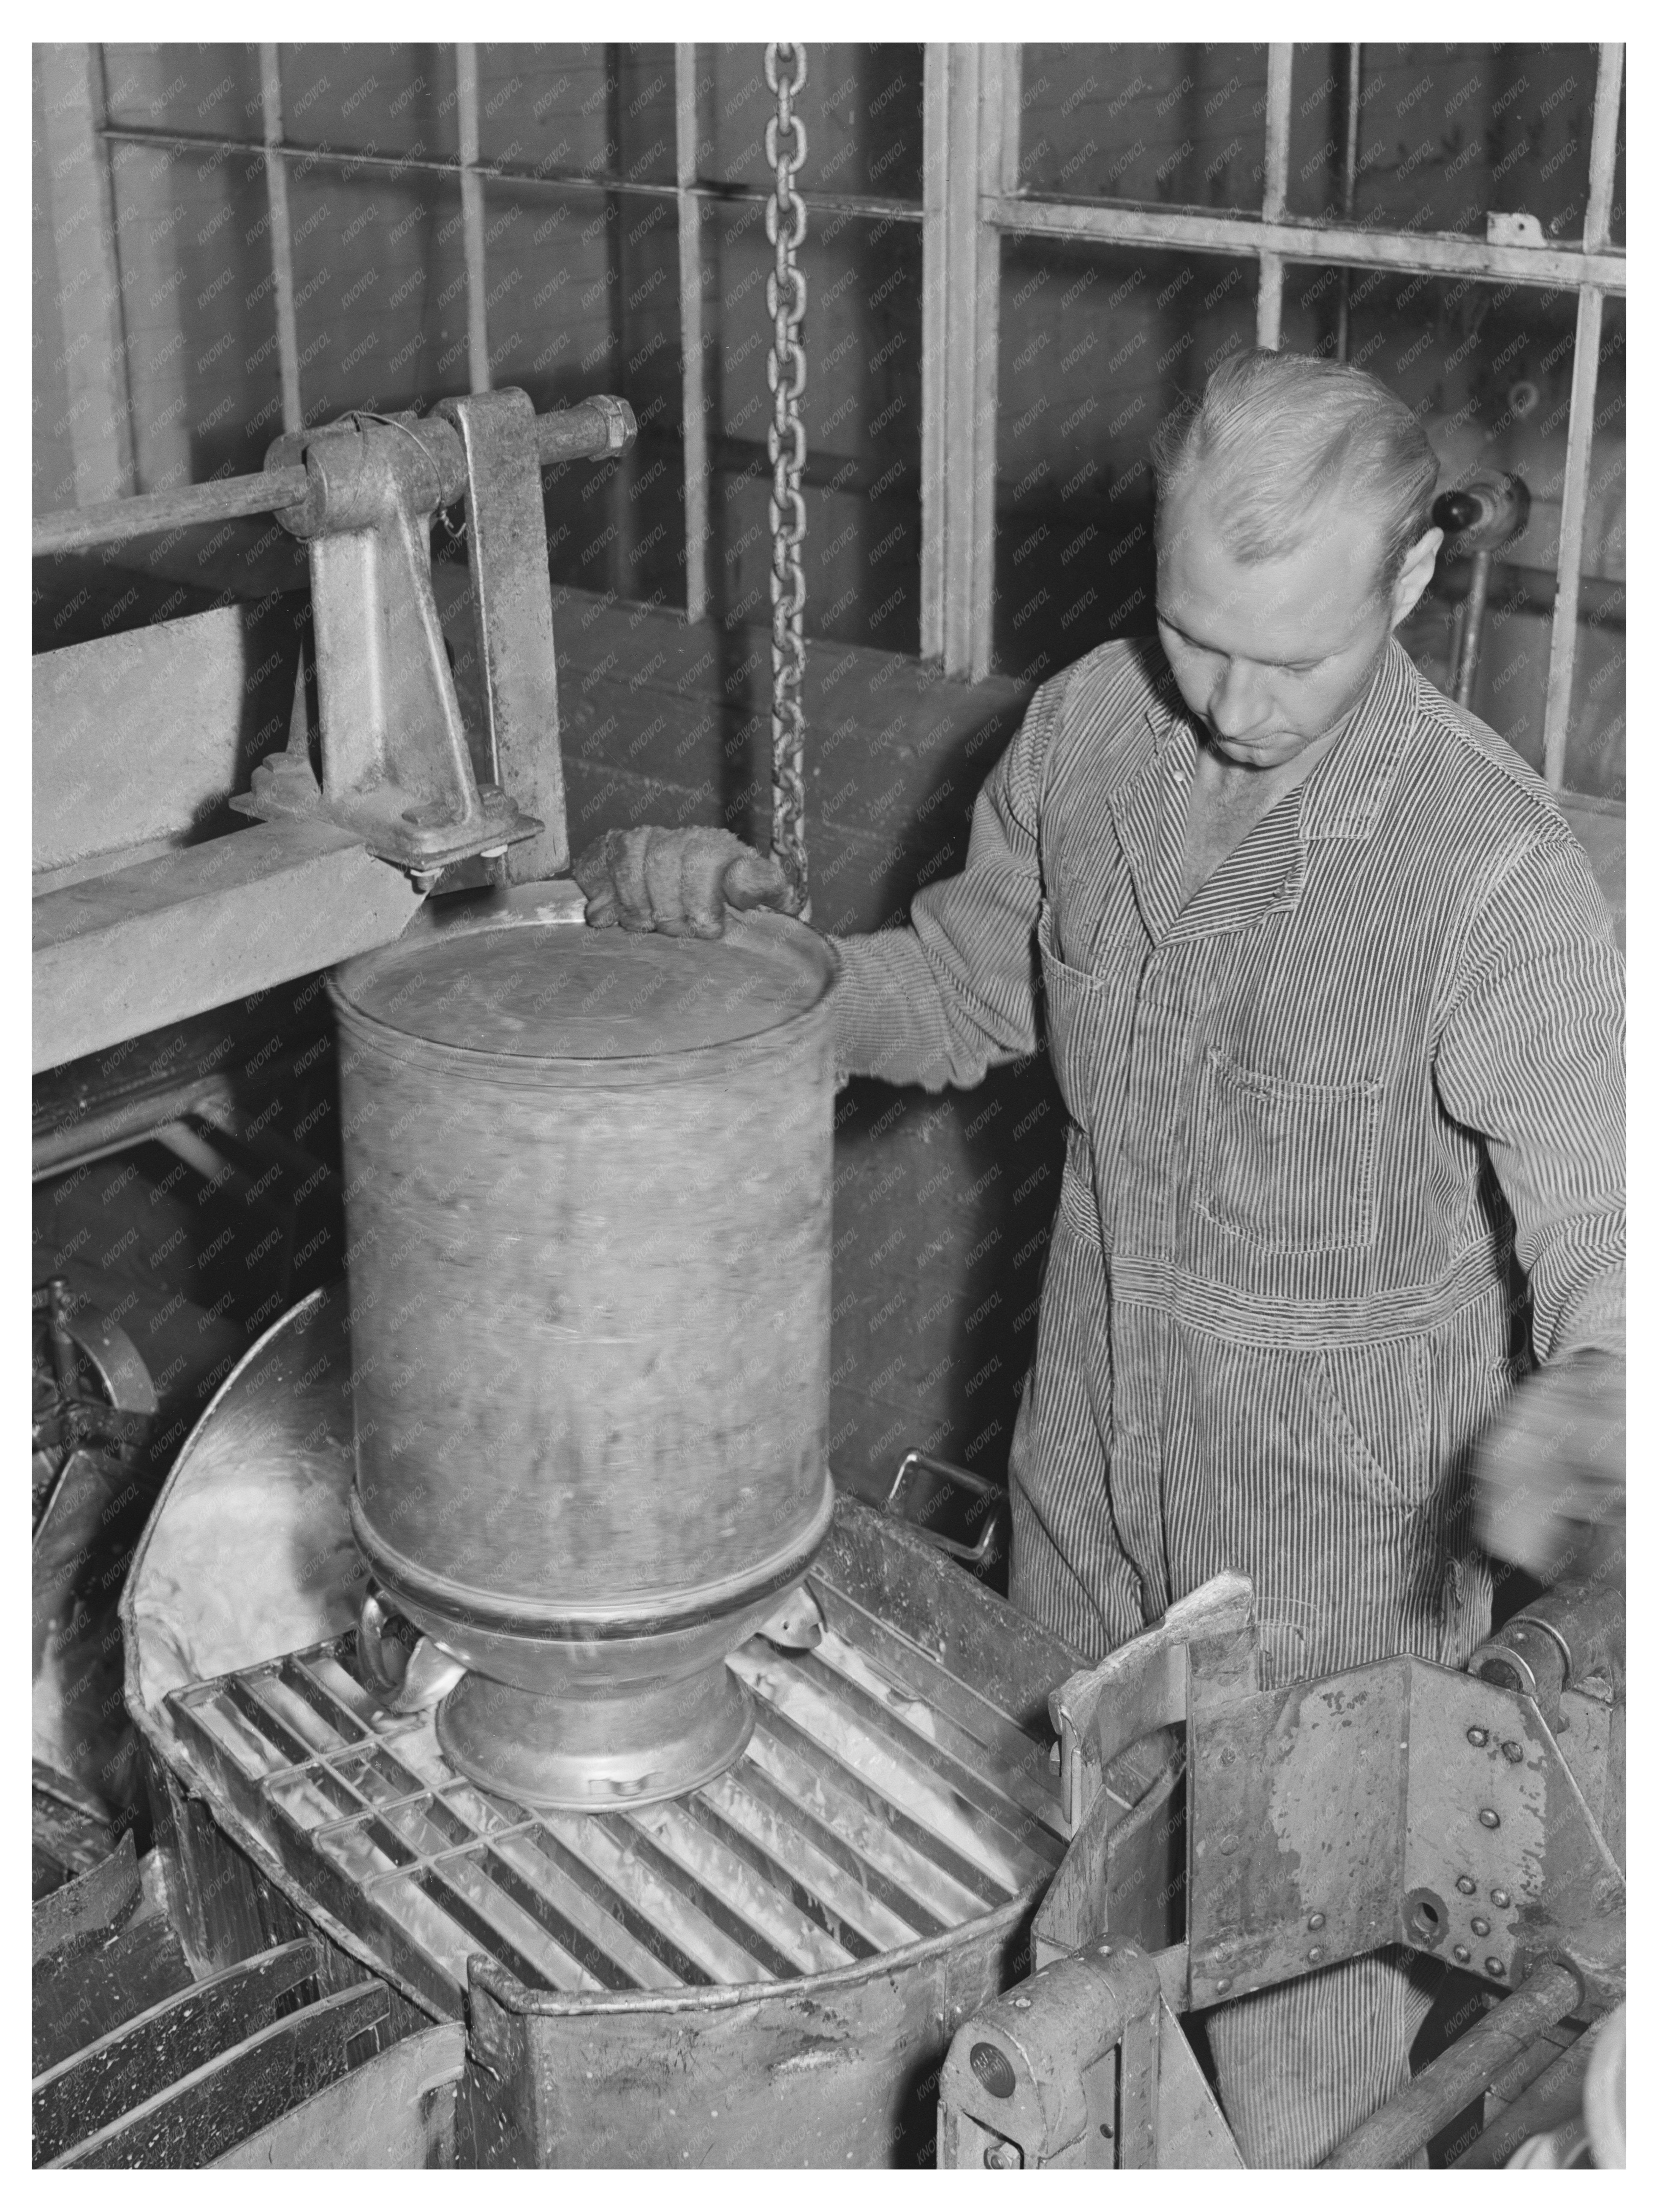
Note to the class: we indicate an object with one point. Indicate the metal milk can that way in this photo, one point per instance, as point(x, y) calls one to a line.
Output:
point(587, 1191)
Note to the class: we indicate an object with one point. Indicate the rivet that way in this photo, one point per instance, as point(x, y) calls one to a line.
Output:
point(1105, 1950)
point(1223, 1984)
point(1228, 1845)
point(1316, 1920)
point(1488, 1819)
point(1462, 1954)
point(1315, 1953)
point(1107, 2129)
point(1229, 1757)
point(1021, 2004)
point(1479, 1737)
point(1513, 1754)
point(1465, 1884)
point(1500, 1899)
point(1481, 1926)
point(1496, 1969)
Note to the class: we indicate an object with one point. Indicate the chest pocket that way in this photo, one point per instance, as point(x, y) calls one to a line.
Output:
point(1075, 1022)
point(1289, 1166)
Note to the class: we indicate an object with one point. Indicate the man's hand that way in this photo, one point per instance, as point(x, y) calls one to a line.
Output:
point(1549, 1472)
point(677, 881)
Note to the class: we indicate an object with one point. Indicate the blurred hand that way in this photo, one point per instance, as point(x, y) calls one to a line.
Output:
point(677, 881)
point(1549, 1472)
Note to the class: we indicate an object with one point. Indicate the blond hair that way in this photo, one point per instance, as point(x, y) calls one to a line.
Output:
point(1278, 436)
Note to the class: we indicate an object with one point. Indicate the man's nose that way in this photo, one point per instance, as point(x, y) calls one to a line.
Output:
point(1237, 704)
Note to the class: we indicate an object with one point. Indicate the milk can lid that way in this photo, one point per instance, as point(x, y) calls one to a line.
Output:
point(558, 992)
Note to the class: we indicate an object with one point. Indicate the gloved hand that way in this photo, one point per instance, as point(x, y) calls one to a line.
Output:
point(1549, 1472)
point(677, 881)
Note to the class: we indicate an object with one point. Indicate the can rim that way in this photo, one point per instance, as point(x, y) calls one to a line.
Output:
point(800, 941)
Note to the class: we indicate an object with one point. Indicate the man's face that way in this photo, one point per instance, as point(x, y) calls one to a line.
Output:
point(1270, 657)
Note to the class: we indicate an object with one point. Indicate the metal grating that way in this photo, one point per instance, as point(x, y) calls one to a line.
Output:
point(881, 1800)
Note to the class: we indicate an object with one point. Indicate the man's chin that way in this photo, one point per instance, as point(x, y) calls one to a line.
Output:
point(1258, 752)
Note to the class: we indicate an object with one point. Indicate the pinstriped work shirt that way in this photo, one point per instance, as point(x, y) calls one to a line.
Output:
point(1338, 1127)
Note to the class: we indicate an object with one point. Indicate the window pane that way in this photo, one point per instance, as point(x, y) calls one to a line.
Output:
point(861, 106)
point(1098, 344)
point(862, 409)
point(199, 309)
point(215, 89)
point(1488, 370)
point(370, 98)
point(1183, 124)
point(600, 110)
point(1446, 134)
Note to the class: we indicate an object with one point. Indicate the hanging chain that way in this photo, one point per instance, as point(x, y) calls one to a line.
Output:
point(785, 444)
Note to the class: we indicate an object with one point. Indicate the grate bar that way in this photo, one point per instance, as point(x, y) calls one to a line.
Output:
point(773, 1802)
point(743, 1889)
point(943, 1804)
point(779, 1849)
point(629, 1865)
point(884, 1833)
point(1016, 1795)
point(989, 1740)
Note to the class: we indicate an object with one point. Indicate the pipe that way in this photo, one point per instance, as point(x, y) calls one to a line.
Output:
point(1407, 2121)
point(589, 431)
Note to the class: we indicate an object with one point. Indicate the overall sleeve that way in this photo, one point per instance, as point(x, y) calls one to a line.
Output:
point(1531, 1057)
point(954, 993)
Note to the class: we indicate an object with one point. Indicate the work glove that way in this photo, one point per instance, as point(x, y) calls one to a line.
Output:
point(1549, 1472)
point(677, 881)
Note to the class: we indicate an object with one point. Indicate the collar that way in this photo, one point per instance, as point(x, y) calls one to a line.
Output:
point(1345, 794)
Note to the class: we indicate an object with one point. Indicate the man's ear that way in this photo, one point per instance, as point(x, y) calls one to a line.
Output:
point(1415, 576)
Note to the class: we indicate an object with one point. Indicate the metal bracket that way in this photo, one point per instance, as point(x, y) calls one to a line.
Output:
point(512, 611)
point(397, 769)
point(1063, 2072)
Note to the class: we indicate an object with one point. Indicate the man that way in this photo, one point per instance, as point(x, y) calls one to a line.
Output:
point(1335, 1009)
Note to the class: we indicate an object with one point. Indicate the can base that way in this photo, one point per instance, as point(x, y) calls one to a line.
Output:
point(590, 1755)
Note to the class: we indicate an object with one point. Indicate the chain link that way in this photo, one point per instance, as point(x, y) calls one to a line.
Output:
point(785, 445)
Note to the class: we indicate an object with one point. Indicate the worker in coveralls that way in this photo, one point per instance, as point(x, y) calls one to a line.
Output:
point(1336, 1010)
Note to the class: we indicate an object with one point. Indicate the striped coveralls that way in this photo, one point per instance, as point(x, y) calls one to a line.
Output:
point(1345, 1155)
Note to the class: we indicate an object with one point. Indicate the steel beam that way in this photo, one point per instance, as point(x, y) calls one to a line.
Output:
point(118, 955)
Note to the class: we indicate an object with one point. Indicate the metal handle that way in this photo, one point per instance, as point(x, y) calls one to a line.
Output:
point(401, 1664)
point(994, 1497)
